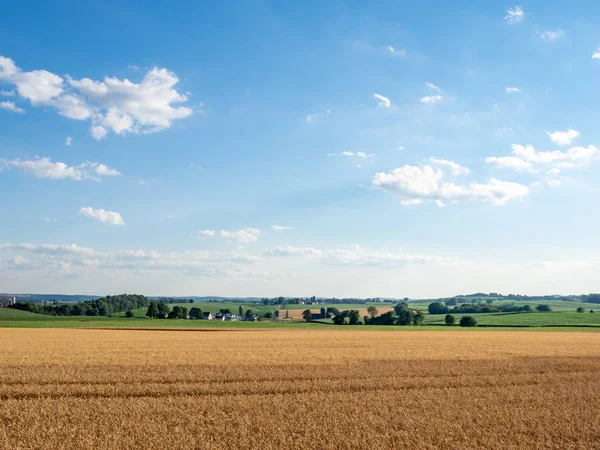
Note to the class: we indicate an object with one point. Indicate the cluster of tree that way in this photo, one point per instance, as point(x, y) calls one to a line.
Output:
point(159, 310)
point(466, 308)
point(170, 300)
point(104, 306)
point(401, 315)
point(581, 309)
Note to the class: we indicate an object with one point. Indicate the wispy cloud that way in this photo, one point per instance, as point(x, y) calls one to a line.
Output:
point(384, 102)
point(552, 35)
point(596, 54)
point(512, 90)
point(431, 99)
point(514, 15)
point(12, 107)
point(433, 86)
point(280, 228)
point(45, 168)
point(68, 141)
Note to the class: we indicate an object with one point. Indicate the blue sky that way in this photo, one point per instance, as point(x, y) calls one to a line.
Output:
point(321, 148)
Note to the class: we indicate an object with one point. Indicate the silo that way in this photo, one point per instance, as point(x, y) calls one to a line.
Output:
point(241, 311)
point(323, 312)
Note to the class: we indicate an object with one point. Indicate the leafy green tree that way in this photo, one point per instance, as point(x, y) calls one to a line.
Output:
point(249, 313)
point(388, 318)
point(404, 317)
point(449, 319)
point(152, 310)
point(437, 308)
point(268, 315)
point(129, 314)
point(372, 311)
point(226, 311)
point(580, 309)
point(339, 319)
point(468, 321)
point(402, 306)
point(451, 302)
point(543, 308)
point(333, 310)
point(418, 318)
point(163, 308)
point(354, 317)
point(527, 308)
point(196, 313)
point(307, 314)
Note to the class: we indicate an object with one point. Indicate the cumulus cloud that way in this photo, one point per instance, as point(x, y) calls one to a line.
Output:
point(417, 184)
point(243, 235)
point(108, 217)
point(433, 86)
point(514, 15)
point(204, 233)
point(525, 157)
point(431, 99)
point(512, 90)
point(349, 154)
point(280, 228)
point(456, 168)
point(7, 93)
point(563, 137)
point(384, 102)
point(10, 106)
point(45, 168)
point(596, 54)
point(112, 105)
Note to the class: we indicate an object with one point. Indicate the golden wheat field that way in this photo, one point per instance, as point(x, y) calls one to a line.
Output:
point(314, 389)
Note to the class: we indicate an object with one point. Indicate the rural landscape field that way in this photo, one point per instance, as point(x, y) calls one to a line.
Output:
point(315, 389)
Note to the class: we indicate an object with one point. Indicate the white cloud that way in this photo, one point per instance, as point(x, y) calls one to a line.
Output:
point(354, 255)
point(108, 217)
point(68, 141)
point(120, 106)
point(596, 54)
point(563, 137)
point(358, 166)
point(514, 15)
point(98, 132)
point(512, 90)
point(204, 233)
point(431, 99)
point(280, 228)
point(102, 170)
point(365, 155)
point(456, 168)
point(433, 86)
point(310, 118)
point(400, 148)
point(384, 102)
point(7, 93)
point(45, 168)
point(526, 158)
point(133, 67)
point(552, 35)
point(10, 106)
point(243, 235)
point(415, 185)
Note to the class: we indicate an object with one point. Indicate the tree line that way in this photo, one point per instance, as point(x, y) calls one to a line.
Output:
point(104, 306)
